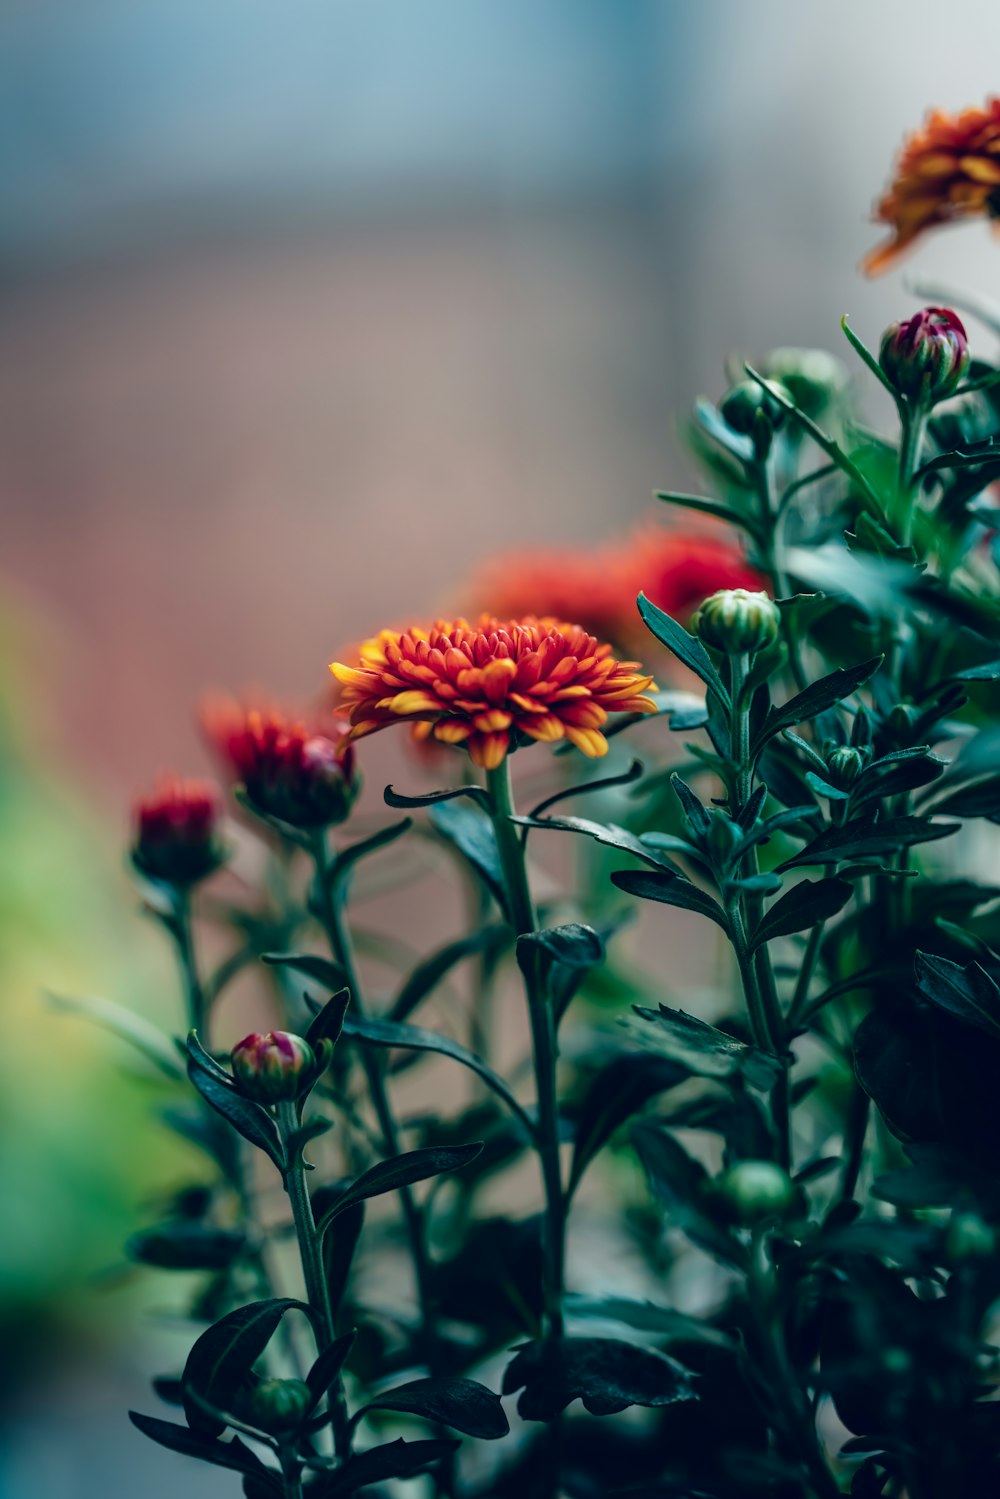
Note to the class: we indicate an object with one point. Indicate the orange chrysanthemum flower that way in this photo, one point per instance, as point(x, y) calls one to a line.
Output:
point(492, 685)
point(948, 169)
point(597, 586)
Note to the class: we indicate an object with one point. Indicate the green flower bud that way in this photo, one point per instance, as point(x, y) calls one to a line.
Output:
point(278, 1405)
point(274, 1067)
point(969, 1238)
point(927, 356)
point(740, 407)
point(814, 378)
point(843, 766)
point(737, 621)
point(755, 1190)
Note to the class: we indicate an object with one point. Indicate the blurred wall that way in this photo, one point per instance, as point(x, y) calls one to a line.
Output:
point(306, 308)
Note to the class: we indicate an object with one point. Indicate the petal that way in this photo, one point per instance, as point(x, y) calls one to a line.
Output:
point(589, 741)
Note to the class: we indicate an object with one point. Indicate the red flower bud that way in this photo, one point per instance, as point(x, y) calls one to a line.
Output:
point(274, 1067)
point(301, 774)
point(176, 837)
point(927, 356)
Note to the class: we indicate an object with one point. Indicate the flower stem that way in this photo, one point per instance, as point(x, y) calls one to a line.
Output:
point(760, 990)
point(311, 1255)
point(544, 1043)
point(194, 994)
point(342, 949)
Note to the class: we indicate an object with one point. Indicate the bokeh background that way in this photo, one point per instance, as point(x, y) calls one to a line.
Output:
point(306, 310)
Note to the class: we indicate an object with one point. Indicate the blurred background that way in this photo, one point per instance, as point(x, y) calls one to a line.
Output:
point(305, 311)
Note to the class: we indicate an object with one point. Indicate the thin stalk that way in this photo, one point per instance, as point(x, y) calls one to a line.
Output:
point(194, 993)
point(342, 949)
point(544, 1044)
point(759, 986)
point(854, 1142)
point(311, 1255)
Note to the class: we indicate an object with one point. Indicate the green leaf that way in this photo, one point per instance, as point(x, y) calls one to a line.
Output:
point(672, 890)
point(329, 1023)
point(329, 975)
point(686, 647)
point(140, 1033)
point(233, 1454)
point(182, 1245)
point(681, 1183)
point(607, 1375)
point(868, 359)
point(696, 816)
point(981, 799)
point(700, 1049)
point(221, 1361)
point(805, 905)
point(712, 422)
point(968, 993)
point(471, 833)
point(713, 507)
point(346, 858)
point(608, 834)
point(338, 1252)
point(424, 979)
point(398, 1459)
point(615, 1094)
point(562, 957)
point(401, 1171)
point(326, 1370)
point(463, 1404)
point(394, 798)
point(855, 840)
point(416, 1038)
point(816, 699)
point(645, 1316)
point(252, 1121)
point(602, 783)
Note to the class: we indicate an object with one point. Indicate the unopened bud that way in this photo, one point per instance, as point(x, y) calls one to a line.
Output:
point(177, 832)
point(927, 356)
point(814, 379)
point(843, 766)
point(274, 1067)
point(737, 621)
point(278, 1405)
point(755, 1190)
point(741, 406)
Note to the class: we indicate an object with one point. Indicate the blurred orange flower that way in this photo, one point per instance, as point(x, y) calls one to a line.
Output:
point(485, 685)
point(948, 169)
point(597, 587)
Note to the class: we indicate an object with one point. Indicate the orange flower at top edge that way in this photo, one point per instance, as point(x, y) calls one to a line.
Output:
point(486, 685)
point(948, 169)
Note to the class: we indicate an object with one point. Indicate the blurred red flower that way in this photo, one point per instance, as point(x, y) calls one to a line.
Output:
point(301, 772)
point(176, 830)
point(596, 587)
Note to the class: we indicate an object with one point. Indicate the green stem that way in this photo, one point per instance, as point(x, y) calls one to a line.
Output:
point(759, 986)
point(544, 1044)
point(194, 994)
point(342, 950)
point(311, 1255)
point(914, 423)
point(854, 1142)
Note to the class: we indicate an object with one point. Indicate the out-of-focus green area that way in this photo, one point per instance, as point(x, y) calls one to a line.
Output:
point(79, 1156)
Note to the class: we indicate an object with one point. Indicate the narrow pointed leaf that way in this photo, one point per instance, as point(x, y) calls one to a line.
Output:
point(221, 1360)
point(329, 1023)
point(471, 833)
point(624, 778)
point(348, 857)
point(425, 978)
point(670, 890)
point(968, 993)
point(857, 840)
point(233, 1454)
point(396, 799)
point(805, 905)
point(398, 1459)
point(607, 1375)
point(816, 699)
point(252, 1121)
point(326, 973)
point(700, 1049)
point(326, 1370)
point(463, 1404)
point(402, 1171)
point(686, 647)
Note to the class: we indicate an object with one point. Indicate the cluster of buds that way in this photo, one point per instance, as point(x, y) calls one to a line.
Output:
point(927, 356)
point(302, 774)
point(275, 1066)
point(738, 622)
point(176, 831)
